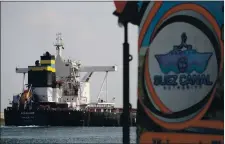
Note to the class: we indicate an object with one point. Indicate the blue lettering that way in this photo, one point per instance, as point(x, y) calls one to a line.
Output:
point(190, 80)
point(196, 79)
point(157, 80)
point(206, 80)
point(171, 80)
point(182, 80)
point(165, 80)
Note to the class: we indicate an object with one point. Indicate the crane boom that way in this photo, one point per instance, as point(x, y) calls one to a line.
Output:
point(82, 69)
point(98, 68)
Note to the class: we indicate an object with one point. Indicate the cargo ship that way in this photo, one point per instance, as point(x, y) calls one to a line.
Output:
point(57, 95)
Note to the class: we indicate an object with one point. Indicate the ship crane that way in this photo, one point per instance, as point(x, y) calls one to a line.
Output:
point(91, 69)
point(104, 82)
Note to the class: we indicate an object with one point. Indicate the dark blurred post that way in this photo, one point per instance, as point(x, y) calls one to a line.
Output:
point(126, 89)
point(127, 12)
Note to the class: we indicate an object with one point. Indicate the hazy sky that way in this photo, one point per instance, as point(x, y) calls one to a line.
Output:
point(91, 34)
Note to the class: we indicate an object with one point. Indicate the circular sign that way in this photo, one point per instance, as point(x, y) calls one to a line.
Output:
point(182, 72)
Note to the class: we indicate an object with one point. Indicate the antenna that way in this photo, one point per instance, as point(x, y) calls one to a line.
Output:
point(59, 43)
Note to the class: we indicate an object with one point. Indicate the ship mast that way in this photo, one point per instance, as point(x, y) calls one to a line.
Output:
point(59, 44)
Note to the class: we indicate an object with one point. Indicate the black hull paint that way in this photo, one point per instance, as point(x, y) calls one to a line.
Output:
point(14, 117)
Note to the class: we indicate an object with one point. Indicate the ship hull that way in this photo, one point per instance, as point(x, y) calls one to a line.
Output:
point(49, 117)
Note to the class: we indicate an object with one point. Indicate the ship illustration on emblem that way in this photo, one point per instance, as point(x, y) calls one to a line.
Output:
point(183, 61)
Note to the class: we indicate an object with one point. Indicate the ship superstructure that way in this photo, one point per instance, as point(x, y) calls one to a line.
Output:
point(56, 80)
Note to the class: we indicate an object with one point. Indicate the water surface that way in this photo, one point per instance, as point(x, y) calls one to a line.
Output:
point(84, 135)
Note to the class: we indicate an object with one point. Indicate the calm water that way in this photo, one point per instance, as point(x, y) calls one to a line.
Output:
point(30, 135)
